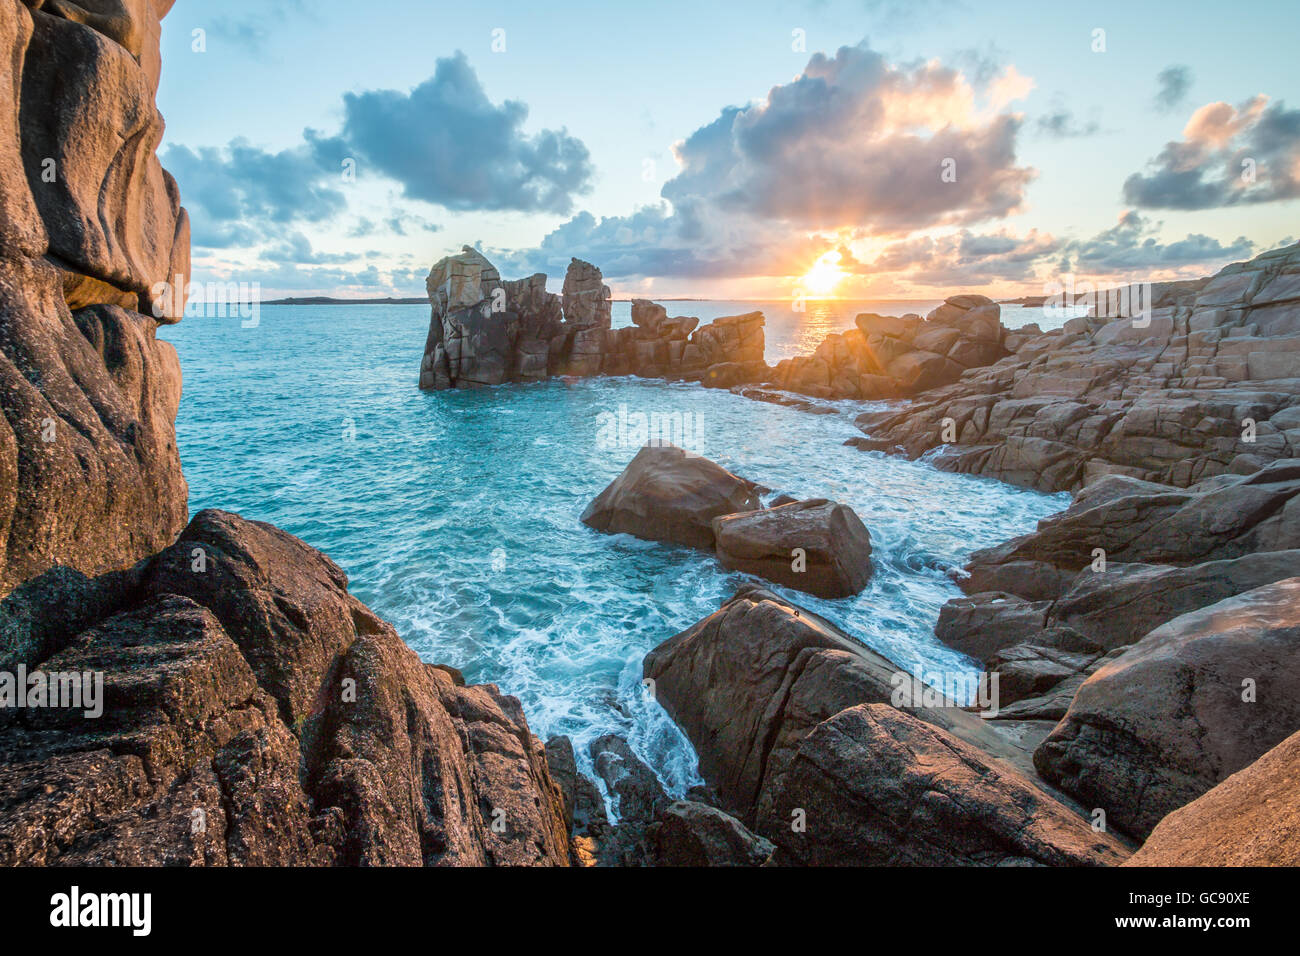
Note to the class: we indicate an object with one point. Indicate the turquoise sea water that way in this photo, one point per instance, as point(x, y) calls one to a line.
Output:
point(455, 514)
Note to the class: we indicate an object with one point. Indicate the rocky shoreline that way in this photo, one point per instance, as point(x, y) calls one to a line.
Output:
point(1146, 641)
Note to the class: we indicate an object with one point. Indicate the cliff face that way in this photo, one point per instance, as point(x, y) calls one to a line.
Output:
point(90, 225)
point(251, 711)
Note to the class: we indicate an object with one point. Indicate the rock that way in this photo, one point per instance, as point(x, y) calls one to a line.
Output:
point(835, 545)
point(1250, 819)
point(749, 682)
point(586, 299)
point(283, 603)
point(638, 799)
point(1030, 670)
point(584, 807)
point(484, 331)
point(1193, 702)
point(89, 474)
point(693, 834)
point(1190, 391)
point(873, 786)
point(213, 753)
point(667, 494)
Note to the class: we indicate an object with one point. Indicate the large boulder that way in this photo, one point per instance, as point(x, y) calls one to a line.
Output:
point(749, 682)
point(667, 494)
point(688, 833)
point(817, 546)
point(1250, 819)
point(874, 786)
point(1193, 702)
point(211, 750)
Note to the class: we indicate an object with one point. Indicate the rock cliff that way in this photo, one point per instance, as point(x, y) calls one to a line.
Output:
point(252, 712)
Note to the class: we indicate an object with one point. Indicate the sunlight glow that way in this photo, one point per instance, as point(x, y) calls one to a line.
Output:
point(824, 276)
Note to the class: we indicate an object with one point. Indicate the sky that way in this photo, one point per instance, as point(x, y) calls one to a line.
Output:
point(762, 149)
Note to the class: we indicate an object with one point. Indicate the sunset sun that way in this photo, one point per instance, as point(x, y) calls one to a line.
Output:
point(824, 276)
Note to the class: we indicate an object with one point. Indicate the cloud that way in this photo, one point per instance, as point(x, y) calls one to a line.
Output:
point(852, 144)
point(1131, 247)
point(1060, 123)
point(964, 258)
point(237, 193)
point(1172, 84)
point(445, 142)
point(1228, 156)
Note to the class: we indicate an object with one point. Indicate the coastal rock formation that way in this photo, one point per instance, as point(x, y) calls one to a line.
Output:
point(485, 331)
point(92, 240)
point(752, 680)
point(893, 357)
point(209, 751)
point(251, 711)
point(667, 494)
point(1191, 703)
point(817, 546)
point(874, 786)
point(1207, 383)
point(770, 695)
point(1250, 819)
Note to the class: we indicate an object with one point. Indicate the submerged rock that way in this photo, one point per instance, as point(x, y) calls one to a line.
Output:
point(817, 546)
point(667, 494)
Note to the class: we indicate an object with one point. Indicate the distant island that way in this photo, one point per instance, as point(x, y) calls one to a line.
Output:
point(329, 300)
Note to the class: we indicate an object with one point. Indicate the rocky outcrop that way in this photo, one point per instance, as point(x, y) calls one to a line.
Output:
point(92, 240)
point(695, 834)
point(893, 357)
point(1207, 383)
point(817, 546)
point(485, 331)
point(1250, 819)
point(667, 494)
point(874, 786)
point(1188, 705)
point(751, 681)
point(254, 713)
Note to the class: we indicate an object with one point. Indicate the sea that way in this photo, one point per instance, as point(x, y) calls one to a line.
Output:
point(456, 514)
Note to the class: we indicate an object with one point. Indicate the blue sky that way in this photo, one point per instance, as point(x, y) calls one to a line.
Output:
point(721, 149)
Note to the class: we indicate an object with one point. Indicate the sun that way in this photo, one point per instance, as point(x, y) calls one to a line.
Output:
point(825, 275)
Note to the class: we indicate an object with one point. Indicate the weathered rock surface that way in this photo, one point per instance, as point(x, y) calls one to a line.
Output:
point(667, 494)
point(695, 834)
point(90, 227)
point(752, 680)
point(817, 546)
point(1250, 819)
point(1193, 702)
point(893, 357)
point(873, 786)
point(485, 331)
point(1207, 384)
point(213, 749)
